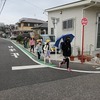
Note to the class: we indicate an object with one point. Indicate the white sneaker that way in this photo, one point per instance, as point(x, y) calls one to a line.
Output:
point(68, 69)
point(59, 64)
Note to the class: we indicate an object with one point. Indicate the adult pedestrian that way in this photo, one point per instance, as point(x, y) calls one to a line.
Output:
point(32, 44)
point(47, 51)
point(66, 51)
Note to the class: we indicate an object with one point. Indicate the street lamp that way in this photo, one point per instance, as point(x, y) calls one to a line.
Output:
point(55, 22)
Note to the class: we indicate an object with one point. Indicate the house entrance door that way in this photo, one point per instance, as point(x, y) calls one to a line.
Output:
point(98, 33)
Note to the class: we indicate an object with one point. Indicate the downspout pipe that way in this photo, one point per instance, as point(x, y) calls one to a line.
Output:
point(83, 10)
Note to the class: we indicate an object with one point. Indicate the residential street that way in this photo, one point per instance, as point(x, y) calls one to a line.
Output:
point(23, 77)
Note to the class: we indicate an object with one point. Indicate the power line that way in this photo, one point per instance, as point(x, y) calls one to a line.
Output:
point(1, 3)
point(33, 5)
point(2, 7)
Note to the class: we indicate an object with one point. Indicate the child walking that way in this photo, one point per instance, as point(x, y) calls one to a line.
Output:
point(32, 43)
point(47, 51)
point(39, 49)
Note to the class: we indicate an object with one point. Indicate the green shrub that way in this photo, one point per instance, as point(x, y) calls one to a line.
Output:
point(19, 38)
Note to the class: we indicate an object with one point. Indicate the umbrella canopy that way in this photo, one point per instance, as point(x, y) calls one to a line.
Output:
point(64, 38)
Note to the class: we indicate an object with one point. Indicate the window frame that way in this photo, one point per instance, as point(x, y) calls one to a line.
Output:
point(52, 30)
point(66, 24)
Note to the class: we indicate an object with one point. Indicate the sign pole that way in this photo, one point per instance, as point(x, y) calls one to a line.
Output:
point(84, 22)
point(82, 43)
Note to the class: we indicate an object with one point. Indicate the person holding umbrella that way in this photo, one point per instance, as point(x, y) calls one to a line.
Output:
point(66, 51)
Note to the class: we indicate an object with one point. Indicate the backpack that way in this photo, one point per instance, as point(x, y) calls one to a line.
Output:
point(45, 47)
point(61, 45)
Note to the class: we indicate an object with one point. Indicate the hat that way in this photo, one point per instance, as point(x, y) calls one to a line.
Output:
point(67, 37)
point(47, 40)
point(32, 36)
point(38, 40)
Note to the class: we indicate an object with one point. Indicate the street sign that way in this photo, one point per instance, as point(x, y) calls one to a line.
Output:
point(84, 21)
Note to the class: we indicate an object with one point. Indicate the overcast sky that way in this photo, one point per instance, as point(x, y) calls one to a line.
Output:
point(17, 9)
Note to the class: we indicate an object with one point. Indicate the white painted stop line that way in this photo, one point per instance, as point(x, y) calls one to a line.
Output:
point(28, 67)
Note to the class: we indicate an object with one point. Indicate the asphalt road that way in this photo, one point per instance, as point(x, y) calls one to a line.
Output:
point(44, 83)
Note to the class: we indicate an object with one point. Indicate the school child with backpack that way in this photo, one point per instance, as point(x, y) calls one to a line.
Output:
point(46, 49)
point(39, 49)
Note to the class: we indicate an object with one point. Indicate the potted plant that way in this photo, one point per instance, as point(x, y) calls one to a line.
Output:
point(80, 58)
point(78, 50)
point(88, 58)
point(72, 58)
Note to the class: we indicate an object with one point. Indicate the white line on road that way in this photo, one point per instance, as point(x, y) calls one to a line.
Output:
point(10, 47)
point(79, 71)
point(98, 68)
point(15, 55)
point(27, 67)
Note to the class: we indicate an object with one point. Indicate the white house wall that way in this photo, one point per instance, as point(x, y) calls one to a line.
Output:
point(91, 29)
point(77, 14)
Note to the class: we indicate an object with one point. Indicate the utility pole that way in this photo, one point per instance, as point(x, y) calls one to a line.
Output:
point(55, 22)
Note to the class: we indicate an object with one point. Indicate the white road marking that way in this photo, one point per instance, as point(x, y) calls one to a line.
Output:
point(12, 50)
point(27, 67)
point(15, 55)
point(10, 46)
point(80, 71)
point(98, 68)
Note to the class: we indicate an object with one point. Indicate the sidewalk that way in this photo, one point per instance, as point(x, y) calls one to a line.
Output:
point(88, 67)
point(59, 57)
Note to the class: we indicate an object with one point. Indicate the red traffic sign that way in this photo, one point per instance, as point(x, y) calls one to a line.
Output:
point(84, 21)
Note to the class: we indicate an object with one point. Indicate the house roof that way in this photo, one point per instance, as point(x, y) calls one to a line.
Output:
point(31, 20)
point(44, 25)
point(73, 4)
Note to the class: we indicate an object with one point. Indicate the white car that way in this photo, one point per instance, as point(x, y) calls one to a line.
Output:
point(13, 37)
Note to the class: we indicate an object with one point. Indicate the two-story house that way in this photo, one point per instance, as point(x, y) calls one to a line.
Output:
point(27, 24)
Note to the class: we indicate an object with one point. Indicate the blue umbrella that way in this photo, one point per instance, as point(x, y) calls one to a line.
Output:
point(64, 38)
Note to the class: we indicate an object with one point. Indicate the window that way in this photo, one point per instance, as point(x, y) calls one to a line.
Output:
point(52, 38)
point(19, 25)
point(32, 24)
point(25, 24)
point(29, 24)
point(68, 24)
point(35, 25)
point(52, 30)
